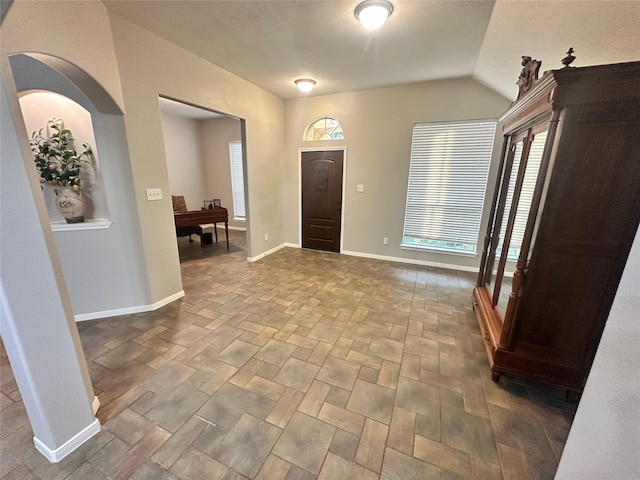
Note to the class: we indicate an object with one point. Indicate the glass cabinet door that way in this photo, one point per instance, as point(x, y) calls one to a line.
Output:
point(502, 288)
point(527, 172)
point(503, 199)
point(515, 196)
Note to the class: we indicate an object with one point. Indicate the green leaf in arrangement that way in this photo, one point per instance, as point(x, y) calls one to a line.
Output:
point(56, 157)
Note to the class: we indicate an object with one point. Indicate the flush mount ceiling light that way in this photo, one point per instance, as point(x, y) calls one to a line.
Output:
point(305, 84)
point(373, 13)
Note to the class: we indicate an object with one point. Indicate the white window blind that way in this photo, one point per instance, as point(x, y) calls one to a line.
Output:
point(526, 195)
point(237, 180)
point(447, 182)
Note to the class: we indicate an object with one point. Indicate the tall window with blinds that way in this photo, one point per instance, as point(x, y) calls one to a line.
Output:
point(447, 183)
point(237, 180)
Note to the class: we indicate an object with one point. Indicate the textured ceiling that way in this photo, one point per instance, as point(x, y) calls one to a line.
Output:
point(271, 43)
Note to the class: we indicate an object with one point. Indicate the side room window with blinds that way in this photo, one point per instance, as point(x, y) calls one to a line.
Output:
point(237, 180)
point(447, 182)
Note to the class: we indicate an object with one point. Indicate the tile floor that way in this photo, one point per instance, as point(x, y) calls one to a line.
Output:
point(302, 365)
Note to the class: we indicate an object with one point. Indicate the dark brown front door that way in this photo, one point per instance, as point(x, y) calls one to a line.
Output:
point(322, 199)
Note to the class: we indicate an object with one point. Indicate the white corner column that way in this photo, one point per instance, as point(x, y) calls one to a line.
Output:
point(36, 321)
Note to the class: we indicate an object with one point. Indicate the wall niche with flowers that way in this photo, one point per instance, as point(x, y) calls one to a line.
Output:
point(66, 160)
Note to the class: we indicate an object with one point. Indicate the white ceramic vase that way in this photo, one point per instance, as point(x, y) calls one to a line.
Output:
point(70, 204)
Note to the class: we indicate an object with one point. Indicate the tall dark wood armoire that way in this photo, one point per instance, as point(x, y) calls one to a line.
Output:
point(565, 209)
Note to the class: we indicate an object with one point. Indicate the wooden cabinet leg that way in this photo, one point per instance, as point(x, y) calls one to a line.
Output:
point(495, 376)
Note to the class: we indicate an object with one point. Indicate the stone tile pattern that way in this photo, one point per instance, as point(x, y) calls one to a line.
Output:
point(304, 365)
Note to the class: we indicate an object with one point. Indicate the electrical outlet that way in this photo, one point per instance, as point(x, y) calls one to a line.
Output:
point(385, 241)
point(266, 236)
point(360, 188)
point(154, 194)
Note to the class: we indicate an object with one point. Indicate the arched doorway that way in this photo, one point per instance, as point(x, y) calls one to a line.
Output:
point(37, 326)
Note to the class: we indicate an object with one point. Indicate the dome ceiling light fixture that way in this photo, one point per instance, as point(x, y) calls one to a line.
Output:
point(305, 84)
point(373, 13)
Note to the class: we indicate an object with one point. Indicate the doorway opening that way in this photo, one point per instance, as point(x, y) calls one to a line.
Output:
point(206, 165)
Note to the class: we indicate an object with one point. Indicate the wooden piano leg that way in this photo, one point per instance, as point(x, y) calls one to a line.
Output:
point(215, 229)
point(226, 231)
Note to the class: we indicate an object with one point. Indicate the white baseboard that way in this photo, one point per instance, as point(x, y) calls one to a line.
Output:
point(240, 229)
point(54, 456)
point(269, 252)
point(165, 301)
point(81, 317)
point(95, 405)
point(449, 266)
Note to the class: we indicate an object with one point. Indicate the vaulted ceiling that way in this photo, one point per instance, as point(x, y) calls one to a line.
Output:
point(271, 43)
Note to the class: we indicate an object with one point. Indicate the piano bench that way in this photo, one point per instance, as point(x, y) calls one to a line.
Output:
point(206, 237)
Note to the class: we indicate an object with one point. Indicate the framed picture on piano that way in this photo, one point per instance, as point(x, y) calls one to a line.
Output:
point(211, 204)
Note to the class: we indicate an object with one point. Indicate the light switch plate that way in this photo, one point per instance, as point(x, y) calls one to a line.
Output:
point(359, 188)
point(154, 194)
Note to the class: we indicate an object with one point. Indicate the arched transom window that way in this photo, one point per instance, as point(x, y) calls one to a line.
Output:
point(324, 129)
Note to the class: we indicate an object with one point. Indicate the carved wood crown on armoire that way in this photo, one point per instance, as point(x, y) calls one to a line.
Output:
point(564, 213)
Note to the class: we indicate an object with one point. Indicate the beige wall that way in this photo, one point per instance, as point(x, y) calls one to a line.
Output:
point(35, 26)
point(183, 150)
point(377, 127)
point(135, 66)
point(150, 67)
point(197, 153)
point(216, 135)
point(104, 269)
